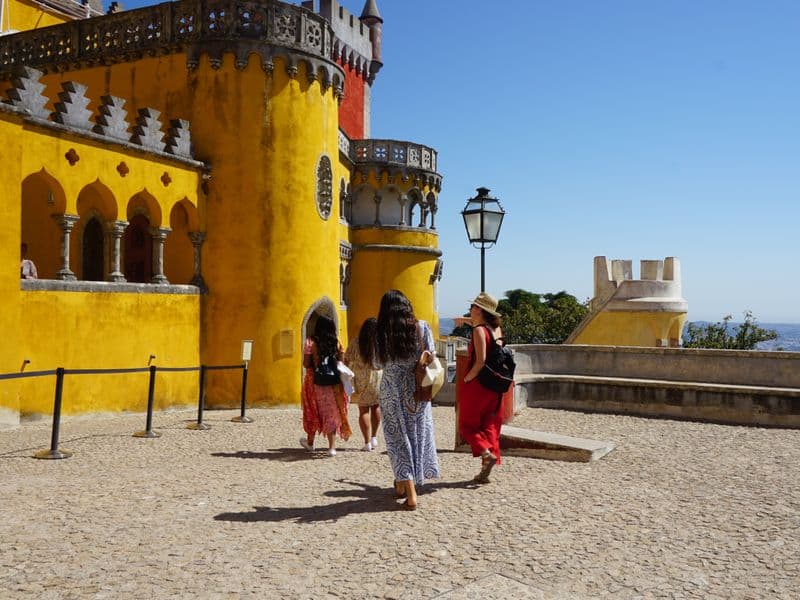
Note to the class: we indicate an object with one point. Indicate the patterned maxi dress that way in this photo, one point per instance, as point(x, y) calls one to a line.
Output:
point(408, 426)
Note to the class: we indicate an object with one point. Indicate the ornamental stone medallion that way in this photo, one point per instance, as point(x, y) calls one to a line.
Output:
point(324, 187)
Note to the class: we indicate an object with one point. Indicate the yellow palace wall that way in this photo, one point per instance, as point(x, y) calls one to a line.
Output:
point(268, 255)
point(84, 330)
point(10, 314)
point(632, 328)
point(74, 329)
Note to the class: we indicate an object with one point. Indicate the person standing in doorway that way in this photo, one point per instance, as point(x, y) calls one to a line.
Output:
point(360, 357)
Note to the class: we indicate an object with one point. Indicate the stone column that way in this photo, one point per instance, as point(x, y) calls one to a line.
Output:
point(403, 203)
point(66, 223)
point(377, 200)
point(198, 237)
point(159, 234)
point(433, 216)
point(116, 231)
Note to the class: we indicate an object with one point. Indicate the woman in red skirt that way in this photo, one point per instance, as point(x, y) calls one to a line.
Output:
point(479, 414)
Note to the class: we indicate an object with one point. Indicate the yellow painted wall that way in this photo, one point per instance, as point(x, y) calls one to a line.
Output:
point(268, 256)
point(23, 15)
point(83, 330)
point(77, 329)
point(10, 313)
point(631, 328)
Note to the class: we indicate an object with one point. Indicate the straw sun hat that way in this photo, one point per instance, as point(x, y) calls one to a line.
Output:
point(487, 303)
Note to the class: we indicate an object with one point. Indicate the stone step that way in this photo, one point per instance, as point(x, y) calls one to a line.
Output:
point(515, 441)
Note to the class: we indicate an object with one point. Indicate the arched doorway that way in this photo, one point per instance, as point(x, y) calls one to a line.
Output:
point(92, 254)
point(322, 307)
point(138, 250)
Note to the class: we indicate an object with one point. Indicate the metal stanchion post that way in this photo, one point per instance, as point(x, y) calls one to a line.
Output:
point(200, 425)
point(148, 428)
point(54, 452)
point(242, 418)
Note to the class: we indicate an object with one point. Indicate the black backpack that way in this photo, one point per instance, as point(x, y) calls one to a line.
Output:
point(327, 371)
point(497, 373)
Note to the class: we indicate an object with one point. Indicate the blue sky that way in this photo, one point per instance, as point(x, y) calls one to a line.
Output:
point(629, 129)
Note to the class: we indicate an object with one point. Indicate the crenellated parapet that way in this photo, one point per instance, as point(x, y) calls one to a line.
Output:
point(357, 41)
point(659, 285)
point(109, 124)
point(267, 28)
point(395, 158)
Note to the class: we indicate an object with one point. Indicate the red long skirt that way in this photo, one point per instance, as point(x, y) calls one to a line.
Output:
point(480, 418)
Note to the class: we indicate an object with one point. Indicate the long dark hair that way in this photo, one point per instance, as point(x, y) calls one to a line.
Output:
point(325, 336)
point(366, 340)
point(396, 337)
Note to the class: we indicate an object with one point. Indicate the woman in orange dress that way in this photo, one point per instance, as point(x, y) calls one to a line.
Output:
point(479, 416)
point(324, 405)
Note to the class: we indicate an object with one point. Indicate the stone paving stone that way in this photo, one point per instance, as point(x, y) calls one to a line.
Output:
point(678, 510)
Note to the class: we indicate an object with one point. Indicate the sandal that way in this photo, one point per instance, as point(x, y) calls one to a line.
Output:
point(488, 461)
point(406, 506)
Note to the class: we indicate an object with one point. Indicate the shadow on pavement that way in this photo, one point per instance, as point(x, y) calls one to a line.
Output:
point(280, 454)
point(368, 499)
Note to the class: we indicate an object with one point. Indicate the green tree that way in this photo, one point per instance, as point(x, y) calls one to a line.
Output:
point(530, 318)
point(744, 336)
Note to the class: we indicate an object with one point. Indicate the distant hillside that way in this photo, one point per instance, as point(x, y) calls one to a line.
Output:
point(446, 326)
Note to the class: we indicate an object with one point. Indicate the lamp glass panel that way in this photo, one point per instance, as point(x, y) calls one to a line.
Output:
point(472, 221)
point(491, 225)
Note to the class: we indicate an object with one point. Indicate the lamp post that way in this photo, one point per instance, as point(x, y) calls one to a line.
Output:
point(483, 217)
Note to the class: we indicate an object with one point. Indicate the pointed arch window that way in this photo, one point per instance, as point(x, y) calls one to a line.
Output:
point(93, 251)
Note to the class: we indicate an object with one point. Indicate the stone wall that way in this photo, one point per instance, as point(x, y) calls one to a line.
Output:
point(730, 386)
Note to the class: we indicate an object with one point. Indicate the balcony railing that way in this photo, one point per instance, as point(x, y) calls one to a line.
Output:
point(167, 28)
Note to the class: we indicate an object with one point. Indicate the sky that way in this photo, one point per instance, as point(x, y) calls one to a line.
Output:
point(625, 128)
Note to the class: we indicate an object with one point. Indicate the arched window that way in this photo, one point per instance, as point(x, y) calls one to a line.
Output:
point(138, 250)
point(93, 251)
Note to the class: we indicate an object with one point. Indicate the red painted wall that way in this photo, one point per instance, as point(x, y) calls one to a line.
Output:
point(351, 110)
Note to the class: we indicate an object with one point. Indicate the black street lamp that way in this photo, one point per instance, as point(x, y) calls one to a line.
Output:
point(483, 217)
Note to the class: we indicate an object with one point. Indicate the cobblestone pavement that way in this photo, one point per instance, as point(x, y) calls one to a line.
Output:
point(678, 510)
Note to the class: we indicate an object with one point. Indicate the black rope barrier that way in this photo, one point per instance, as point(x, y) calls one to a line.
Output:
point(54, 453)
point(148, 432)
point(28, 374)
point(199, 425)
point(242, 418)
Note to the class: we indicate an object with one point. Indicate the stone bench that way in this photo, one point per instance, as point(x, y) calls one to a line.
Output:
point(717, 402)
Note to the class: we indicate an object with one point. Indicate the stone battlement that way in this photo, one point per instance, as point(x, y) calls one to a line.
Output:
point(111, 121)
point(659, 280)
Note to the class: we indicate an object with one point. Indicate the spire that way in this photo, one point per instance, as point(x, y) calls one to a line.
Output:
point(370, 13)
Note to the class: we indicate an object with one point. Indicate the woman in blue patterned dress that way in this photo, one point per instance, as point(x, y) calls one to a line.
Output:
point(407, 425)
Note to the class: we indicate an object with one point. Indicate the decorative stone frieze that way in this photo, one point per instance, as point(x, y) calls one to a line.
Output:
point(179, 138)
point(148, 132)
point(71, 110)
point(112, 120)
point(266, 28)
point(27, 91)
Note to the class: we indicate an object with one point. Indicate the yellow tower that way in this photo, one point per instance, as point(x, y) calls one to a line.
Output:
point(649, 311)
point(291, 216)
